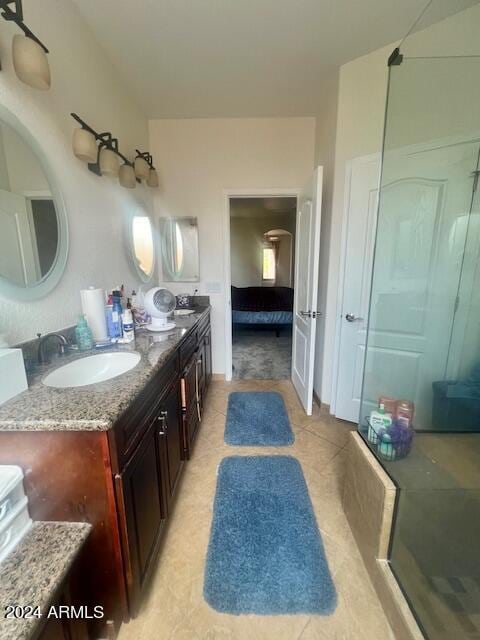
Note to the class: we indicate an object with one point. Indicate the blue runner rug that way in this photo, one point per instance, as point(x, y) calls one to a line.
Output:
point(266, 554)
point(257, 418)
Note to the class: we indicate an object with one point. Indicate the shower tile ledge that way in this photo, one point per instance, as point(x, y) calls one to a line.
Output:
point(369, 501)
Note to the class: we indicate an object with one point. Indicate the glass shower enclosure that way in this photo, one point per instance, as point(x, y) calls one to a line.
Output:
point(420, 407)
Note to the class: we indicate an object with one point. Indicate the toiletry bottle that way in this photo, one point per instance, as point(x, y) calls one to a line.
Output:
point(378, 420)
point(83, 334)
point(404, 411)
point(116, 325)
point(127, 321)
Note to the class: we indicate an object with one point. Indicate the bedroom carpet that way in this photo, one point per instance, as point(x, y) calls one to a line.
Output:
point(260, 355)
point(257, 419)
point(266, 554)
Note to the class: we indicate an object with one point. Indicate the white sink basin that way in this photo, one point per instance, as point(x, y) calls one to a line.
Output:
point(183, 312)
point(92, 369)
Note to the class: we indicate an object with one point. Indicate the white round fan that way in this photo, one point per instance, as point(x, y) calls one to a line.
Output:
point(159, 304)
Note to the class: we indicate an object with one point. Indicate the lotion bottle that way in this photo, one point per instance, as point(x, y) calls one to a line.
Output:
point(127, 324)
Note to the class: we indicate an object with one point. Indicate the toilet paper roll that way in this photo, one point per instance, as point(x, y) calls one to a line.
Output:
point(93, 306)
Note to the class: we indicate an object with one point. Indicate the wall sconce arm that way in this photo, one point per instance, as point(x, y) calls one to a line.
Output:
point(16, 15)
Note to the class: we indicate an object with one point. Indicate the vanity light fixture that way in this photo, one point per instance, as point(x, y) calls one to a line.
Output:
point(126, 176)
point(85, 145)
point(152, 180)
point(108, 160)
point(29, 54)
point(144, 168)
point(101, 152)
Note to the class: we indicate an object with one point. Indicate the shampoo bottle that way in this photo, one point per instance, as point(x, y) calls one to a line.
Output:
point(116, 323)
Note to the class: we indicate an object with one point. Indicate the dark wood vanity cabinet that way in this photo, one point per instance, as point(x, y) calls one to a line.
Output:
point(123, 481)
point(170, 441)
point(145, 489)
point(196, 366)
point(141, 511)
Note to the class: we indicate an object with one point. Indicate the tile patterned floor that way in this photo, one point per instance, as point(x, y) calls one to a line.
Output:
point(174, 608)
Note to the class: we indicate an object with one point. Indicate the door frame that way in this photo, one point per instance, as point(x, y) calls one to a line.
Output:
point(228, 194)
point(412, 149)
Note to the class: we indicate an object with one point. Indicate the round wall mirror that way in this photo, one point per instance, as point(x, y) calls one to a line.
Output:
point(142, 246)
point(179, 249)
point(33, 222)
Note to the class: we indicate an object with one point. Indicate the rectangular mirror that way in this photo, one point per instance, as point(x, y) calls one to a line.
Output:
point(179, 249)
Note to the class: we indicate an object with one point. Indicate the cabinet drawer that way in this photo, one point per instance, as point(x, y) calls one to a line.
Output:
point(133, 423)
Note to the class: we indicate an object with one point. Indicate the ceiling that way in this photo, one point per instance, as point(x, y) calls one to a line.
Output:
point(262, 207)
point(244, 58)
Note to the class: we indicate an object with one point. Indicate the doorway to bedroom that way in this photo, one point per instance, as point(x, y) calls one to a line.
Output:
point(262, 263)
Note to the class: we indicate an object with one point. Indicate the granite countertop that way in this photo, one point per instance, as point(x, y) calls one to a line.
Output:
point(34, 571)
point(93, 407)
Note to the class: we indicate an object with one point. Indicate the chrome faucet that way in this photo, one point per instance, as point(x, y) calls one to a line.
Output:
point(62, 346)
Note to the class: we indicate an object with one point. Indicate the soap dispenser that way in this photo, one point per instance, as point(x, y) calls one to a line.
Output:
point(83, 334)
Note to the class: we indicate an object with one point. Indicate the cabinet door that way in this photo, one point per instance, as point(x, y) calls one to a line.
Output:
point(207, 356)
point(141, 515)
point(189, 383)
point(170, 439)
point(201, 372)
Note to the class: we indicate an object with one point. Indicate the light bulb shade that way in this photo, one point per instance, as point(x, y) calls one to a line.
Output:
point(152, 179)
point(126, 176)
point(109, 162)
point(84, 145)
point(142, 168)
point(30, 62)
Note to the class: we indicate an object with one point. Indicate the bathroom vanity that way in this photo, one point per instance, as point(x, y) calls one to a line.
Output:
point(112, 455)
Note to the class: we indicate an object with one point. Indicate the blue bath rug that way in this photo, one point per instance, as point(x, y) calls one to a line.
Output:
point(266, 554)
point(257, 419)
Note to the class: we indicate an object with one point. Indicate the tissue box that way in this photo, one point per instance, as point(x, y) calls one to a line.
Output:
point(13, 379)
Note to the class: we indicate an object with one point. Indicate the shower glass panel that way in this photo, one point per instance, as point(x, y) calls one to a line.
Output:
point(422, 358)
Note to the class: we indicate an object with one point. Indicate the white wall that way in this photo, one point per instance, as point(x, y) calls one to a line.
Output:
point(82, 81)
point(199, 160)
point(360, 115)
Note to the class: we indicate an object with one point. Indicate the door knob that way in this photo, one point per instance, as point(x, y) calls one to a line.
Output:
point(350, 317)
point(306, 314)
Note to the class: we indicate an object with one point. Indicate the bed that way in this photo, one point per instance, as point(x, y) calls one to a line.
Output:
point(266, 307)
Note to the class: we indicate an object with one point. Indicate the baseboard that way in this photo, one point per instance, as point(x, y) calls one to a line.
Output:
point(324, 408)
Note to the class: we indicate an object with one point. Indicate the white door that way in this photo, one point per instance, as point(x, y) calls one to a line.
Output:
point(17, 246)
point(360, 217)
point(426, 194)
point(307, 252)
